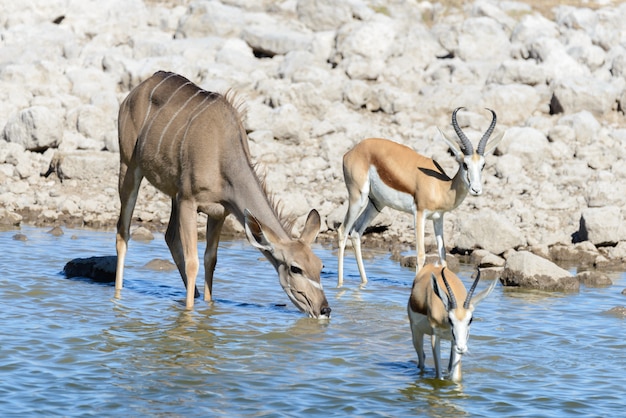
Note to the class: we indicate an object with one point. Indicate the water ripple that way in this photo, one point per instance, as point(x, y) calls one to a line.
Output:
point(70, 348)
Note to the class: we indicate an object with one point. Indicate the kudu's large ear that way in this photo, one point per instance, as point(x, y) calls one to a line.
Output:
point(259, 236)
point(483, 294)
point(491, 145)
point(454, 146)
point(439, 291)
point(311, 227)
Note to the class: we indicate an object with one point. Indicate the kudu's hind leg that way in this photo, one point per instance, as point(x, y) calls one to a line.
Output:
point(130, 180)
point(213, 229)
point(182, 239)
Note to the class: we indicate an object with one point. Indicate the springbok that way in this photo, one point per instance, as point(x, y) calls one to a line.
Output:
point(191, 145)
point(434, 311)
point(379, 172)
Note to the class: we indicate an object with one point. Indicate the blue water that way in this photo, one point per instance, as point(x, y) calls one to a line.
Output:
point(70, 348)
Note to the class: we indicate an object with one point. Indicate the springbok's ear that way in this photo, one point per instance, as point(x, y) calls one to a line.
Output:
point(483, 294)
point(439, 291)
point(491, 145)
point(311, 227)
point(454, 146)
point(259, 235)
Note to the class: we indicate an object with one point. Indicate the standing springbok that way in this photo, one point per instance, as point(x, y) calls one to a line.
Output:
point(191, 144)
point(434, 311)
point(379, 172)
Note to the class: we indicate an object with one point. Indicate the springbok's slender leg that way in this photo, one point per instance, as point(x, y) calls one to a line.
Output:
point(355, 207)
point(182, 240)
point(441, 248)
point(364, 219)
point(454, 366)
point(418, 344)
point(130, 180)
point(213, 229)
point(420, 225)
point(435, 344)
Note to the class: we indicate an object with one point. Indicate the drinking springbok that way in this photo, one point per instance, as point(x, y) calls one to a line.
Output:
point(191, 145)
point(379, 172)
point(434, 311)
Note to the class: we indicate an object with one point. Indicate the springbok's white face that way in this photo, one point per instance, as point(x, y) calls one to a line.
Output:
point(460, 316)
point(471, 161)
point(473, 166)
point(460, 320)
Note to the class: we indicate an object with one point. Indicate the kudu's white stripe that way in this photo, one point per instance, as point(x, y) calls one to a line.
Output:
point(180, 109)
point(185, 126)
point(190, 123)
point(161, 109)
point(145, 119)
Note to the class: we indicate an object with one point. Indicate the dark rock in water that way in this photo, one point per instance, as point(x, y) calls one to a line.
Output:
point(160, 265)
point(57, 231)
point(20, 237)
point(99, 269)
point(619, 311)
point(594, 279)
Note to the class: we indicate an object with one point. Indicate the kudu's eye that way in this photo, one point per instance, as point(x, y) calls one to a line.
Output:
point(295, 270)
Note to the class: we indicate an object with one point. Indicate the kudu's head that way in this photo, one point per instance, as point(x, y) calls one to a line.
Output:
point(459, 317)
point(297, 266)
point(471, 162)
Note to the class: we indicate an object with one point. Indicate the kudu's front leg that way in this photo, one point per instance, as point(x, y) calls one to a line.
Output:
point(128, 189)
point(182, 239)
point(213, 229)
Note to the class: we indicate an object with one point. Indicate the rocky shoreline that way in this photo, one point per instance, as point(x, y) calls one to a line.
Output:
point(317, 77)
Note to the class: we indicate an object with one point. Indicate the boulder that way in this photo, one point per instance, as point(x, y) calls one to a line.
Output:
point(82, 164)
point(323, 15)
point(37, 128)
point(529, 271)
point(487, 230)
point(602, 226)
point(577, 93)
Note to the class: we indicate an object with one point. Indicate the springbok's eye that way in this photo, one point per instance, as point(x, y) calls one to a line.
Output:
point(470, 321)
point(295, 270)
point(465, 166)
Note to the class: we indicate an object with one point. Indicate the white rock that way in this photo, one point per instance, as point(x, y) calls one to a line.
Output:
point(36, 128)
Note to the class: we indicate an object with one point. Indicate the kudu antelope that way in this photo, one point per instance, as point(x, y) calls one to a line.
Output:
point(191, 144)
point(434, 310)
point(379, 172)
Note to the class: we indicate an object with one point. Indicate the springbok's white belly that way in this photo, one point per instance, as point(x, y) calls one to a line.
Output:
point(383, 195)
point(421, 324)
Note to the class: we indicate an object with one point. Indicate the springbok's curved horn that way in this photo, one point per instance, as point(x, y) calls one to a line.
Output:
point(451, 298)
point(483, 141)
point(468, 299)
point(466, 145)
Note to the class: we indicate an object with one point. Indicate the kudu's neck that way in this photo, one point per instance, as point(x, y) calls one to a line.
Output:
point(250, 195)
